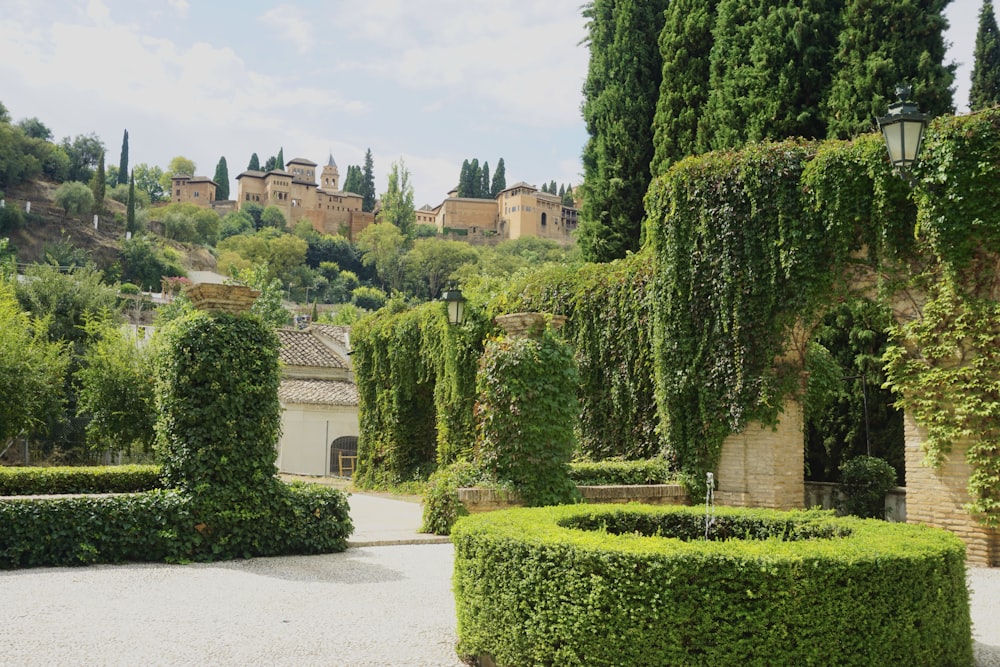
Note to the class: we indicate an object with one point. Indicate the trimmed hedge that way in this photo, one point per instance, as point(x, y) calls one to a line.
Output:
point(66, 479)
point(160, 525)
point(770, 588)
point(614, 473)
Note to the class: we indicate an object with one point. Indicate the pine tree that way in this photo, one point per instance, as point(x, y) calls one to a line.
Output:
point(98, 185)
point(620, 94)
point(368, 183)
point(685, 46)
point(280, 160)
point(985, 90)
point(130, 206)
point(499, 182)
point(484, 184)
point(905, 45)
point(254, 163)
point(222, 180)
point(123, 161)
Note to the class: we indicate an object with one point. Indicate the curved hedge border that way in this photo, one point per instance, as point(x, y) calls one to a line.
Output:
point(816, 589)
point(86, 479)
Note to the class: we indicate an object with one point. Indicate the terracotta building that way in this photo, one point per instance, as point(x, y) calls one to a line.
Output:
point(198, 190)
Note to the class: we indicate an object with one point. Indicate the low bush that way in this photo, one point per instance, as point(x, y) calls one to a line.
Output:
point(640, 585)
point(613, 472)
point(67, 479)
point(441, 505)
point(167, 525)
point(864, 481)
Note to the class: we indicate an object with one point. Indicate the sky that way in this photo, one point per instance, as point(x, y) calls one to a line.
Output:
point(426, 84)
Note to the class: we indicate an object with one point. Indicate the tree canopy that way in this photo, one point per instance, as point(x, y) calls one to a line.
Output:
point(985, 90)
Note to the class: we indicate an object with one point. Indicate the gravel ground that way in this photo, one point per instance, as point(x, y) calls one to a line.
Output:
point(386, 605)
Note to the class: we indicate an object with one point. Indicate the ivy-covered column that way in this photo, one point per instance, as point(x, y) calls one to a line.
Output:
point(527, 408)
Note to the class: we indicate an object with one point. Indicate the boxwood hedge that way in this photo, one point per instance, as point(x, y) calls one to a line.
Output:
point(83, 479)
point(640, 585)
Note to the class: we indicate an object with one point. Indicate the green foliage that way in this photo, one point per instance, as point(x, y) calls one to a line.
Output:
point(84, 152)
point(98, 185)
point(222, 180)
point(123, 172)
point(620, 95)
point(441, 505)
point(146, 263)
point(526, 412)
point(368, 298)
point(11, 219)
point(985, 90)
point(397, 200)
point(78, 479)
point(620, 472)
point(864, 481)
point(592, 585)
point(74, 198)
point(367, 190)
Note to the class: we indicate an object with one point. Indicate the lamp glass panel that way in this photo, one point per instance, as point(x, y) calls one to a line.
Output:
point(894, 141)
point(911, 131)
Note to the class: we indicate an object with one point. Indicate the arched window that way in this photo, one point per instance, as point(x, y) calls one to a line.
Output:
point(544, 215)
point(344, 455)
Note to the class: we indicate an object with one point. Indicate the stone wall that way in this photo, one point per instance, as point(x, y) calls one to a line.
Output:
point(763, 466)
point(478, 500)
point(937, 496)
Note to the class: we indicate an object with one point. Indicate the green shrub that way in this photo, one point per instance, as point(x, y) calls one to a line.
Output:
point(66, 479)
point(611, 585)
point(864, 481)
point(441, 505)
point(613, 473)
point(527, 410)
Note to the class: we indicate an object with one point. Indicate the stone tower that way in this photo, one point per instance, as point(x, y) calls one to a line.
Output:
point(330, 178)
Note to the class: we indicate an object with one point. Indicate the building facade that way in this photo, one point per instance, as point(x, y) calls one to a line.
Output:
point(198, 190)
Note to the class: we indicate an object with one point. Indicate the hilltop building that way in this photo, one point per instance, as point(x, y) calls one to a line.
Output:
point(198, 190)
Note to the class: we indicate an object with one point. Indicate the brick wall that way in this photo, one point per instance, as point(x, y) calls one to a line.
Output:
point(936, 496)
point(763, 466)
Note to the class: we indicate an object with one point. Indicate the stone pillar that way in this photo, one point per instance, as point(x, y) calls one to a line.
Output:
point(937, 496)
point(763, 466)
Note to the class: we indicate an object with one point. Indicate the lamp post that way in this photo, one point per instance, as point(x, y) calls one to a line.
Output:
point(903, 130)
point(456, 305)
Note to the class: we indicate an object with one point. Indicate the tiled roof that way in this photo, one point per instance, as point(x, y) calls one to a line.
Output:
point(318, 392)
point(301, 348)
point(334, 331)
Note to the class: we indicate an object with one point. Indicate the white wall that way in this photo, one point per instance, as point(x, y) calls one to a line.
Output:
point(306, 434)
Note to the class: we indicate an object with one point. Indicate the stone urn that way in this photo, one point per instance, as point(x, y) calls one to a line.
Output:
point(232, 299)
point(528, 325)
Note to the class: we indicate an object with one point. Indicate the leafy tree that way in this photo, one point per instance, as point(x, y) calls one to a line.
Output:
point(115, 389)
point(4, 114)
point(254, 163)
point(685, 46)
point(255, 211)
point(368, 183)
point(35, 129)
point(83, 152)
point(148, 179)
point(273, 217)
point(368, 298)
point(222, 179)
point(123, 173)
point(146, 265)
point(32, 370)
point(382, 247)
point(235, 222)
point(268, 304)
point(397, 202)
point(499, 182)
point(985, 90)
point(620, 95)
point(74, 198)
point(432, 261)
point(905, 45)
point(182, 166)
point(98, 186)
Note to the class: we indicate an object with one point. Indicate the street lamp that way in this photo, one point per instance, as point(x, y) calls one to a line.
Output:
point(903, 129)
point(456, 305)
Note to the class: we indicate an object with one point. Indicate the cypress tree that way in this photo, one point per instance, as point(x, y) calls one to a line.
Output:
point(484, 184)
point(368, 183)
point(123, 161)
point(620, 95)
point(499, 182)
point(130, 206)
point(254, 163)
point(271, 164)
point(685, 47)
point(222, 179)
point(352, 182)
point(280, 160)
point(985, 90)
point(98, 186)
point(475, 178)
point(465, 180)
point(882, 44)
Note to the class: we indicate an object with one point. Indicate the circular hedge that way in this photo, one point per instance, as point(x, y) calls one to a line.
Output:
point(640, 585)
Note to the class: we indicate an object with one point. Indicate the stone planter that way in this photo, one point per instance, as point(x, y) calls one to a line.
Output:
point(528, 325)
point(478, 500)
point(232, 299)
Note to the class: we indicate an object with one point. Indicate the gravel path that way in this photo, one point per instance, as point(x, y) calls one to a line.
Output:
point(385, 605)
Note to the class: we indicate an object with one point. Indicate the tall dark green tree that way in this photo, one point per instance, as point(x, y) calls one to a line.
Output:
point(98, 185)
point(465, 180)
point(620, 94)
point(985, 90)
point(484, 183)
point(882, 44)
point(130, 206)
point(123, 172)
point(271, 164)
point(499, 182)
point(254, 164)
point(368, 183)
point(352, 181)
point(280, 162)
point(685, 46)
point(222, 180)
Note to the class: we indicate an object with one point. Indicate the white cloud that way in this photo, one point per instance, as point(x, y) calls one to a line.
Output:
point(291, 26)
point(180, 7)
point(98, 12)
